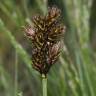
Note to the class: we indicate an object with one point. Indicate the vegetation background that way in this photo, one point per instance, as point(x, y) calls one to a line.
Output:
point(73, 75)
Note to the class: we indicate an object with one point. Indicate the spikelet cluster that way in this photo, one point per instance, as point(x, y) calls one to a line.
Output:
point(45, 35)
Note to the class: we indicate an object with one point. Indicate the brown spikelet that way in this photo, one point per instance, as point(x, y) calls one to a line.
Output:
point(46, 36)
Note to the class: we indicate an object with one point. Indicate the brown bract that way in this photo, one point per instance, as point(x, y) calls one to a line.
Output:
point(46, 36)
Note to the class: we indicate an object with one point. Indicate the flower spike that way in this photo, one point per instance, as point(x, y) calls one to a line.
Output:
point(45, 35)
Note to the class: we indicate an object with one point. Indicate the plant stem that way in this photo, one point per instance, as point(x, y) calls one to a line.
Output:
point(44, 85)
point(16, 75)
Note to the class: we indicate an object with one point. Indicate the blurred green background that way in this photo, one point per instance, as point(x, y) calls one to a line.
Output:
point(75, 72)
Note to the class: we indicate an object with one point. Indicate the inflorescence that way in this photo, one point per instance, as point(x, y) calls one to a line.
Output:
point(45, 35)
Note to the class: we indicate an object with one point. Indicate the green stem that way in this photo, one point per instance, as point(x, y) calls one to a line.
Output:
point(16, 75)
point(44, 85)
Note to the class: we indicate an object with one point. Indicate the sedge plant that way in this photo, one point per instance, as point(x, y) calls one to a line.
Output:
point(46, 36)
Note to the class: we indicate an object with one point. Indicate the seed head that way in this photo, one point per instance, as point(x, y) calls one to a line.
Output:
point(45, 34)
